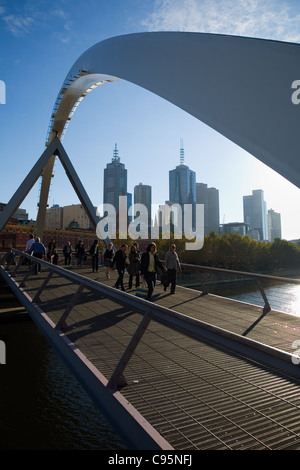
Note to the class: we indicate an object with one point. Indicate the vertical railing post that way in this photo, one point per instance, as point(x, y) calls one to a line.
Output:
point(267, 307)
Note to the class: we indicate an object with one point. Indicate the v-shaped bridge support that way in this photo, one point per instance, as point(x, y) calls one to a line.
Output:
point(44, 168)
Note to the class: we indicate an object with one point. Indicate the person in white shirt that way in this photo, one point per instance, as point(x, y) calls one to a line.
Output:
point(172, 264)
point(29, 244)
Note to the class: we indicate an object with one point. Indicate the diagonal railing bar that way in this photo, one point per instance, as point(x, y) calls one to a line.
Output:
point(117, 379)
point(176, 319)
point(29, 272)
point(36, 298)
point(21, 258)
point(2, 259)
point(61, 324)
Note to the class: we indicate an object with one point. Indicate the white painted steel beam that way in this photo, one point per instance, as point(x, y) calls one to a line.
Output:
point(244, 88)
point(241, 87)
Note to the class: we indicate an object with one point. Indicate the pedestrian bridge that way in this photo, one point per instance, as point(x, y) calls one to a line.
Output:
point(188, 371)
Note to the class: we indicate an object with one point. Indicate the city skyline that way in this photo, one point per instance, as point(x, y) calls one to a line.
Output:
point(42, 44)
point(115, 185)
point(255, 211)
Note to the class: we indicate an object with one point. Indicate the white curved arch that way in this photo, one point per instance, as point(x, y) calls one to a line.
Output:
point(241, 87)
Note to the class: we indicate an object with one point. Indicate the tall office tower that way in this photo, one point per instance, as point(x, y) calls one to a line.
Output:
point(255, 215)
point(115, 181)
point(182, 186)
point(209, 197)
point(129, 206)
point(143, 195)
point(274, 225)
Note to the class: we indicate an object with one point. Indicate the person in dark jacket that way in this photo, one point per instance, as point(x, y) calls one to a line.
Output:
point(51, 251)
point(38, 250)
point(133, 268)
point(94, 252)
point(80, 252)
point(149, 267)
point(120, 262)
point(67, 251)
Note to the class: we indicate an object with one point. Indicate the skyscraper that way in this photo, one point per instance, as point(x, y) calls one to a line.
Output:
point(115, 181)
point(209, 197)
point(143, 195)
point(182, 185)
point(274, 225)
point(255, 215)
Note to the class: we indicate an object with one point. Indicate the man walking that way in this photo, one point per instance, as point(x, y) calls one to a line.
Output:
point(172, 264)
point(38, 250)
point(120, 262)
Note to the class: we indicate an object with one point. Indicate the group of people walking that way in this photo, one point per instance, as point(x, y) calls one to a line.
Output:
point(145, 267)
point(142, 268)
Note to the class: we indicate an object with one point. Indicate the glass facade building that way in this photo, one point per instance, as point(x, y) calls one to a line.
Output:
point(274, 225)
point(255, 215)
point(209, 197)
point(143, 195)
point(182, 187)
point(115, 181)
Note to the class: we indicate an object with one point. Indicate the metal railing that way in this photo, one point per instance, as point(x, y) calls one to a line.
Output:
point(148, 309)
point(203, 285)
point(235, 274)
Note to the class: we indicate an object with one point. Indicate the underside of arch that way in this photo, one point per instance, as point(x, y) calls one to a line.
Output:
point(241, 87)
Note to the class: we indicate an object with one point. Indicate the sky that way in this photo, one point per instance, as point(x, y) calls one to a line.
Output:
point(39, 42)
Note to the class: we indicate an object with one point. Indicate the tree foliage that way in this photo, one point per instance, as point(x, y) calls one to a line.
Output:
point(238, 252)
point(234, 251)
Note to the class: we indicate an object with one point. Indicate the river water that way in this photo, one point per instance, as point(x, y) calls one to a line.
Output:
point(43, 407)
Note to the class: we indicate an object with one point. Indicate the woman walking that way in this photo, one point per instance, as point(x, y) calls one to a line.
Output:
point(108, 257)
point(133, 268)
point(149, 267)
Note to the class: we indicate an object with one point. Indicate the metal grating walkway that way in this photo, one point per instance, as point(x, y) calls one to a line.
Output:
point(195, 392)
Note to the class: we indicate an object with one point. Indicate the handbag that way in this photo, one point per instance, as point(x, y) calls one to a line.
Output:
point(142, 291)
point(164, 279)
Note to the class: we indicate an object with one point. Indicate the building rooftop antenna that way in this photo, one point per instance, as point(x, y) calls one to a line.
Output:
point(181, 152)
point(116, 154)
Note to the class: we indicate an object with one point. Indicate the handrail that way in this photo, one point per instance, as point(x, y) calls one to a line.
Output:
point(149, 311)
point(255, 276)
point(243, 273)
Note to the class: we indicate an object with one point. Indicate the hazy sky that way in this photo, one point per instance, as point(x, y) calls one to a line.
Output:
point(40, 40)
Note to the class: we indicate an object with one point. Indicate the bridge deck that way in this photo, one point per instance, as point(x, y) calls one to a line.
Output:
point(195, 393)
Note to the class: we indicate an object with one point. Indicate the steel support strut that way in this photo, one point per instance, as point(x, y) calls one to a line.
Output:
point(117, 379)
point(61, 324)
